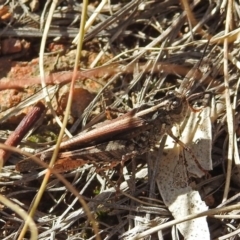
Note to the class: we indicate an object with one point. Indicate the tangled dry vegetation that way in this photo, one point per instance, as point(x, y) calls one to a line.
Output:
point(133, 53)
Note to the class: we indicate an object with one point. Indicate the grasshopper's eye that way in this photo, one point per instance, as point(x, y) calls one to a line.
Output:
point(176, 103)
point(170, 93)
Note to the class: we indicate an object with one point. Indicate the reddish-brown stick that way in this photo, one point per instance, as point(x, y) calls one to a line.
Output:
point(65, 76)
point(25, 125)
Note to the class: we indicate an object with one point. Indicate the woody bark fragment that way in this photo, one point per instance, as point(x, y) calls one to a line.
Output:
point(22, 129)
point(66, 76)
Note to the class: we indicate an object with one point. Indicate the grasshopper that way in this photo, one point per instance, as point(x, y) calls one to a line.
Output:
point(123, 137)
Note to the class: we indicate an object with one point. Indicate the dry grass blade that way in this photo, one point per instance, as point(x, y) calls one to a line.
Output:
point(43, 186)
point(229, 108)
point(32, 226)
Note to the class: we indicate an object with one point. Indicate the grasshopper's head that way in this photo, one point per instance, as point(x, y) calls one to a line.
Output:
point(176, 106)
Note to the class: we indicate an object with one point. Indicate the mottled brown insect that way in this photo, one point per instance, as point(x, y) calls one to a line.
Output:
point(122, 138)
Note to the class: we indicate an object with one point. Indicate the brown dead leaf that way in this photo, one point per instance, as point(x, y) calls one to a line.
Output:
point(63, 165)
point(81, 99)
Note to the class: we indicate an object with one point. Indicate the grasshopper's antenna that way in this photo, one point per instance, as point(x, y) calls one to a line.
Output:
point(188, 81)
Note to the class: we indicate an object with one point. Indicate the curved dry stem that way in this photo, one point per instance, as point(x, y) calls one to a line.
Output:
point(41, 64)
point(60, 177)
point(32, 226)
point(229, 108)
point(191, 19)
point(46, 178)
point(211, 212)
point(41, 68)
